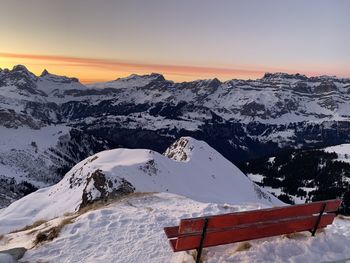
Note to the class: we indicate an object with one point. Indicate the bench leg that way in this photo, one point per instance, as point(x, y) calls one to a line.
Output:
point(313, 232)
point(200, 248)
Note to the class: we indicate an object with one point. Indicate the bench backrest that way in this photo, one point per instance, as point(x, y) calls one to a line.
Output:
point(241, 226)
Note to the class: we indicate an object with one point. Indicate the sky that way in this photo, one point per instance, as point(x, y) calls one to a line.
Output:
point(99, 40)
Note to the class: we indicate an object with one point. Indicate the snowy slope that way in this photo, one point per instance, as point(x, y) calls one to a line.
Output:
point(27, 161)
point(196, 171)
point(22, 149)
point(34, 158)
point(133, 81)
point(342, 150)
point(55, 85)
point(131, 230)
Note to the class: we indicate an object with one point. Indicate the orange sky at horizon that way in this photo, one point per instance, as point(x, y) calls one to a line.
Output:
point(90, 70)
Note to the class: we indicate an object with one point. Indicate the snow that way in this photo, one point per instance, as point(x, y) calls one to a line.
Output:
point(23, 136)
point(146, 121)
point(272, 160)
point(205, 175)
point(133, 81)
point(23, 149)
point(283, 138)
point(131, 230)
point(6, 258)
point(197, 180)
point(258, 178)
point(226, 100)
point(342, 150)
point(51, 83)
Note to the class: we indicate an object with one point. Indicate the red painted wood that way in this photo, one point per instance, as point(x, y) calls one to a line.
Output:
point(252, 231)
point(171, 231)
point(173, 244)
point(193, 225)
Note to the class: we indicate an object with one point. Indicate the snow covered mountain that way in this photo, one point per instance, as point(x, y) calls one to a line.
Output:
point(242, 119)
point(53, 230)
point(190, 168)
point(61, 224)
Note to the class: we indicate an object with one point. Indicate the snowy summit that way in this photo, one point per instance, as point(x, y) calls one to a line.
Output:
point(189, 168)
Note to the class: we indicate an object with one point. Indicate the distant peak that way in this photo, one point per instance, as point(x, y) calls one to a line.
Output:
point(57, 78)
point(20, 71)
point(281, 75)
point(21, 68)
point(326, 77)
point(215, 82)
point(157, 76)
point(44, 73)
point(153, 76)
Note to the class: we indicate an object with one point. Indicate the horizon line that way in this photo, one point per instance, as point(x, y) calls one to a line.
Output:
point(164, 69)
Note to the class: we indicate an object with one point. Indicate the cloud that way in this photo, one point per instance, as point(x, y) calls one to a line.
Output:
point(111, 64)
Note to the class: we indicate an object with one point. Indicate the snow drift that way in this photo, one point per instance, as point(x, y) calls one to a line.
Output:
point(130, 230)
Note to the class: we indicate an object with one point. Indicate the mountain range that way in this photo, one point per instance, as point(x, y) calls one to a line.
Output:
point(48, 123)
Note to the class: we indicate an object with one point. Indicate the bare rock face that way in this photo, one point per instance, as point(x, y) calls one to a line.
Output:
point(11, 119)
point(99, 188)
point(178, 151)
point(253, 109)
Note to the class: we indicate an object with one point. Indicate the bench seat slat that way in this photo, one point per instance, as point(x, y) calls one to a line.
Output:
point(228, 220)
point(171, 231)
point(250, 232)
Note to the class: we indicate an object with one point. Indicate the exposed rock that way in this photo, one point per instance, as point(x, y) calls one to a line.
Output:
point(99, 188)
point(44, 73)
point(16, 253)
point(177, 151)
point(11, 119)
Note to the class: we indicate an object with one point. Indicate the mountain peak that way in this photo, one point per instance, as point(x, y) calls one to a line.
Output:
point(21, 76)
point(157, 76)
point(44, 73)
point(214, 83)
point(57, 78)
point(118, 172)
point(21, 68)
point(188, 149)
point(152, 76)
point(281, 75)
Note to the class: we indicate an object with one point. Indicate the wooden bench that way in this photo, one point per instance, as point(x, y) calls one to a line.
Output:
point(198, 233)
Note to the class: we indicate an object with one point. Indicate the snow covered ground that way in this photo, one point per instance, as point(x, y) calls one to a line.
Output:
point(342, 150)
point(130, 230)
point(191, 179)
